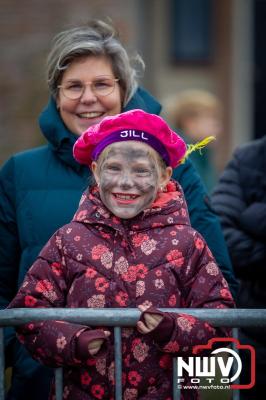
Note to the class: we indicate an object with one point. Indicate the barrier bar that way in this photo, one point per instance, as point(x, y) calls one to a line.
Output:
point(2, 365)
point(176, 394)
point(129, 316)
point(59, 384)
point(118, 318)
point(118, 363)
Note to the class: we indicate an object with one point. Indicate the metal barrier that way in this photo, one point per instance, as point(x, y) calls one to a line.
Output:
point(120, 317)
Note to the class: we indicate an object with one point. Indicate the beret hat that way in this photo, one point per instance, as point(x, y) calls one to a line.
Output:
point(135, 125)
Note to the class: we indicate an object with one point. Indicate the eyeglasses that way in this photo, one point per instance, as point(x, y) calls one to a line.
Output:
point(101, 86)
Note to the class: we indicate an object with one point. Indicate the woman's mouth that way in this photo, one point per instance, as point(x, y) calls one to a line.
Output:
point(91, 115)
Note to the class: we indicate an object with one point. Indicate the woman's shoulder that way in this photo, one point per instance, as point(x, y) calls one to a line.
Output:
point(23, 161)
point(34, 165)
point(27, 157)
point(36, 154)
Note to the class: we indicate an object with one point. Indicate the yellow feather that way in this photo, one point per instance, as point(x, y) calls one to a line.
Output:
point(197, 146)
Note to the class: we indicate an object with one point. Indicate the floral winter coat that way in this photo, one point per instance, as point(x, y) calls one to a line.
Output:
point(97, 260)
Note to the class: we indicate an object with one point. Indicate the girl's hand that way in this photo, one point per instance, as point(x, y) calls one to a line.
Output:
point(95, 345)
point(151, 321)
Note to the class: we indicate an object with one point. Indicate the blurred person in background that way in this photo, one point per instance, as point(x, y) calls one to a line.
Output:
point(90, 76)
point(197, 114)
point(240, 200)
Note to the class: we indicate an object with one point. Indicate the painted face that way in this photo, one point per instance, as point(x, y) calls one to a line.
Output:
point(128, 178)
point(89, 109)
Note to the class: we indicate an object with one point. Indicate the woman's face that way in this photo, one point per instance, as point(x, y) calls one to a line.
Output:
point(89, 109)
point(129, 178)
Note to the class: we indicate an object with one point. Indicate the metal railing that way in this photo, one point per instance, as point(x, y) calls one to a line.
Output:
point(117, 318)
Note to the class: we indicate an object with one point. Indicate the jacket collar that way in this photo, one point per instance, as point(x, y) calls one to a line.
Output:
point(145, 101)
point(169, 209)
point(60, 139)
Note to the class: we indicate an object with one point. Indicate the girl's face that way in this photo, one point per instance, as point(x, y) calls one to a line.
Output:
point(78, 115)
point(129, 178)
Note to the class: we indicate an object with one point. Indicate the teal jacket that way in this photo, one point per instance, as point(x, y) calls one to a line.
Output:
point(203, 161)
point(40, 191)
point(204, 164)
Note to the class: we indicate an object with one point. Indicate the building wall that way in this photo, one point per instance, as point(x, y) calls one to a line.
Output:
point(170, 77)
point(229, 74)
point(26, 31)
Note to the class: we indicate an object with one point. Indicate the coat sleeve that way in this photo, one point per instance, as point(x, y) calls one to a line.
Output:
point(204, 219)
point(53, 343)
point(253, 220)
point(10, 251)
point(247, 251)
point(203, 287)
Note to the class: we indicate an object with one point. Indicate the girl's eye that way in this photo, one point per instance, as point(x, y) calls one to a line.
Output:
point(142, 171)
point(113, 167)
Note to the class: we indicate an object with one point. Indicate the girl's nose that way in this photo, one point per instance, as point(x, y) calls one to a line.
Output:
point(126, 181)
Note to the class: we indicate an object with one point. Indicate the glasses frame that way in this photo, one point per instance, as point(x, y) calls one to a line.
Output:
point(89, 83)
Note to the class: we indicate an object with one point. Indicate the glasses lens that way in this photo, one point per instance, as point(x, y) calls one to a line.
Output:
point(73, 91)
point(103, 86)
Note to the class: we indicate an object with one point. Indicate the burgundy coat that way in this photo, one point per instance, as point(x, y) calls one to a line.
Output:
point(97, 260)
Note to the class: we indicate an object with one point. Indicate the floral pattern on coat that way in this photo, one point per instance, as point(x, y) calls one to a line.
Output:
point(156, 259)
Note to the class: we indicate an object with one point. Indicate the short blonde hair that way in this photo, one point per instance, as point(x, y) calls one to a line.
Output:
point(190, 103)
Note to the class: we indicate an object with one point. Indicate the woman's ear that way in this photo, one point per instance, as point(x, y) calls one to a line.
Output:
point(166, 176)
point(94, 169)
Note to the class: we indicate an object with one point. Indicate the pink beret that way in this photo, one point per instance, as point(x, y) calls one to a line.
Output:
point(131, 125)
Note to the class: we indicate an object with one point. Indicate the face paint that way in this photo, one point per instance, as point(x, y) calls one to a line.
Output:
point(128, 178)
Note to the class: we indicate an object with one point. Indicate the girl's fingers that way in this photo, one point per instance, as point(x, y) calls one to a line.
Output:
point(152, 320)
point(142, 308)
point(95, 343)
point(93, 351)
point(149, 320)
point(142, 327)
point(94, 346)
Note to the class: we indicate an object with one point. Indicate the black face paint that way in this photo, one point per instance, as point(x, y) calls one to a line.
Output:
point(128, 178)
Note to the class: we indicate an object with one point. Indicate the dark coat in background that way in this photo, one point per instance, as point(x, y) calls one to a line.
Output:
point(240, 201)
point(98, 260)
point(39, 192)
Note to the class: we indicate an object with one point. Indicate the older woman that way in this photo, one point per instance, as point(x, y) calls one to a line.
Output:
point(90, 76)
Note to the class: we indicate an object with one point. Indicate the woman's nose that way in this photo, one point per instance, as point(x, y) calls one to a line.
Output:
point(88, 95)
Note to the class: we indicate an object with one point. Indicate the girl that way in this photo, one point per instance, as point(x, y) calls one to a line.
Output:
point(130, 244)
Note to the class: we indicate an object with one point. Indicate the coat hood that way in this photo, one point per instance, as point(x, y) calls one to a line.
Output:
point(169, 208)
point(61, 140)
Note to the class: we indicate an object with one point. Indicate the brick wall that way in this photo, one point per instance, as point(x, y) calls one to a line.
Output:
point(26, 30)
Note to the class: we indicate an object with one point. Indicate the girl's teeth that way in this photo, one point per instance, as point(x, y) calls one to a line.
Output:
point(125, 197)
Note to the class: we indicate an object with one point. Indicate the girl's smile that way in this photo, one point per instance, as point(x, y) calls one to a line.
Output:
point(125, 198)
